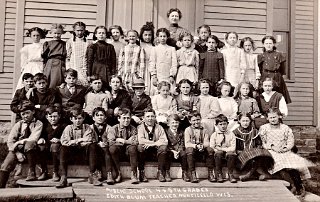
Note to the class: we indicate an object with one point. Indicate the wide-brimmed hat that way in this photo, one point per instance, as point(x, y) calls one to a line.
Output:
point(138, 83)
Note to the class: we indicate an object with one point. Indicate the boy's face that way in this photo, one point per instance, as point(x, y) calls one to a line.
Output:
point(138, 91)
point(70, 80)
point(41, 85)
point(77, 121)
point(27, 115)
point(96, 85)
point(149, 118)
point(173, 124)
point(99, 118)
point(195, 121)
point(273, 118)
point(53, 118)
point(222, 126)
point(28, 83)
point(115, 83)
point(124, 120)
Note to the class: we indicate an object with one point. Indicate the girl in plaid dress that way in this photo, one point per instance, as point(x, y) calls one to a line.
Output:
point(76, 52)
point(278, 139)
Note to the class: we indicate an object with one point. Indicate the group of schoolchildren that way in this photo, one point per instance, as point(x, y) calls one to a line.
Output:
point(107, 99)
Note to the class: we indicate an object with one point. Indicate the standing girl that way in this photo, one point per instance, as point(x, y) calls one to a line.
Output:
point(101, 56)
point(252, 73)
point(272, 65)
point(116, 35)
point(188, 60)
point(234, 59)
point(54, 56)
point(203, 32)
point(76, 52)
point(31, 60)
point(163, 60)
point(146, 42)
point(211, 62)
point(131, 63)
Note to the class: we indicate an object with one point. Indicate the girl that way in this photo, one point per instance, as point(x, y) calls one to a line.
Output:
point(234, 59)
point(272, 65)
point(278, 139)
point(186, 102)
point(131, 62)
point(116, 35)
point(146, 42)
point(163, 103)
point(211, 62)
point(163, 60)
point(204, 32)
point(31, 60)
point(54, 55)
point(188, 60)
point(248, 147)
point(76, 51)
point(208, 106)
point(228, 105)
point(101, 56)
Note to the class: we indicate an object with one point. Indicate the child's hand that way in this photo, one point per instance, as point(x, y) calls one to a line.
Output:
point(154, 80)
point(102, 144)
point(54, 140)
point(116, 111)
point(179, 44)
point(72, 143)
point(120, 140)
point(41, 141)
point(63, 85)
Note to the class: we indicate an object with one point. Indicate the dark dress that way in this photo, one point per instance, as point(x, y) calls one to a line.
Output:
point(272, 65)
point(101, 58)
point(211, 66)
point(54, 56)
point(273, 102)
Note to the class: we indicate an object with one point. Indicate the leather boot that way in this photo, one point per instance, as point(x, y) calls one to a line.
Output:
point(118, 178)
point(134, 177)
point(219, 177)
point(18, 172)
point(185, 176)
point(160, 176)
point(211, 178)
point(90, 178)
point(43, 176)
point(110, 180)
point(55, 177)
point(31, 175)
point(194, 178)
point(231, 178)
point(96, 181)
point(63, 182)
point(142, 176)
point(4, 176)
point(167, 176)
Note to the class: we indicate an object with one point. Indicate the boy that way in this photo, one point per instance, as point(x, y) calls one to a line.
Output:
point(72, 95)
point(50, 138)
point(152, 140)
point(41, 96)
point(197, 141)
point(223, 142)
point(123, 139)
point(77, 138)
point(140, 101)
point(22, 142)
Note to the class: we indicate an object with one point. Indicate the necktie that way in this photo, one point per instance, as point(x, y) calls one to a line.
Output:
point(27, 131)
point(72, 90)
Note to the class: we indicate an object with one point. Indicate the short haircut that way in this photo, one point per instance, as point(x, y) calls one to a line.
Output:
point(71, 72)
point(94, 77)
point(26, 105)
point(76, 112)
point(27, 76)
point(39, 76)
point(52, 109)
point(194, 114)
point(174, 10)
point(163, 83)
point(221, 118)
point(149, 110)
point(98, 109)
point(124, 111)
point(174, 117)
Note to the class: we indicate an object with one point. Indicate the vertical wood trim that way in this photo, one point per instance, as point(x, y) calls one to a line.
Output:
point(2, 27)
point(101, 18)
point(269, 17)
point(110, 9)
point(199, 19)
point(155, 11)
point(18, 44)
point(315, 62)
point(292, 31)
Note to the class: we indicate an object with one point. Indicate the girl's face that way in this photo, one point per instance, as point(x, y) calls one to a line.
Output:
point(204, 34)
point(268, 44)
point(232, 39)
point(245, 122)
point(164, 91)
point(225, 91)
point(174, 17)
point(273, 118)
point(115, 34)
point(162, 36)
point(35, 36)
point(244, 90)
point(56, 33)
point(204, 88)
point(96, 85)
point(186, 41)
point(185, 88)
point(79, 30)
point(247, 46)
point(267, 86)
point(101, 34)
point(147, 36)
point(132, 37)
point(115, 84)
point(211, 44)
